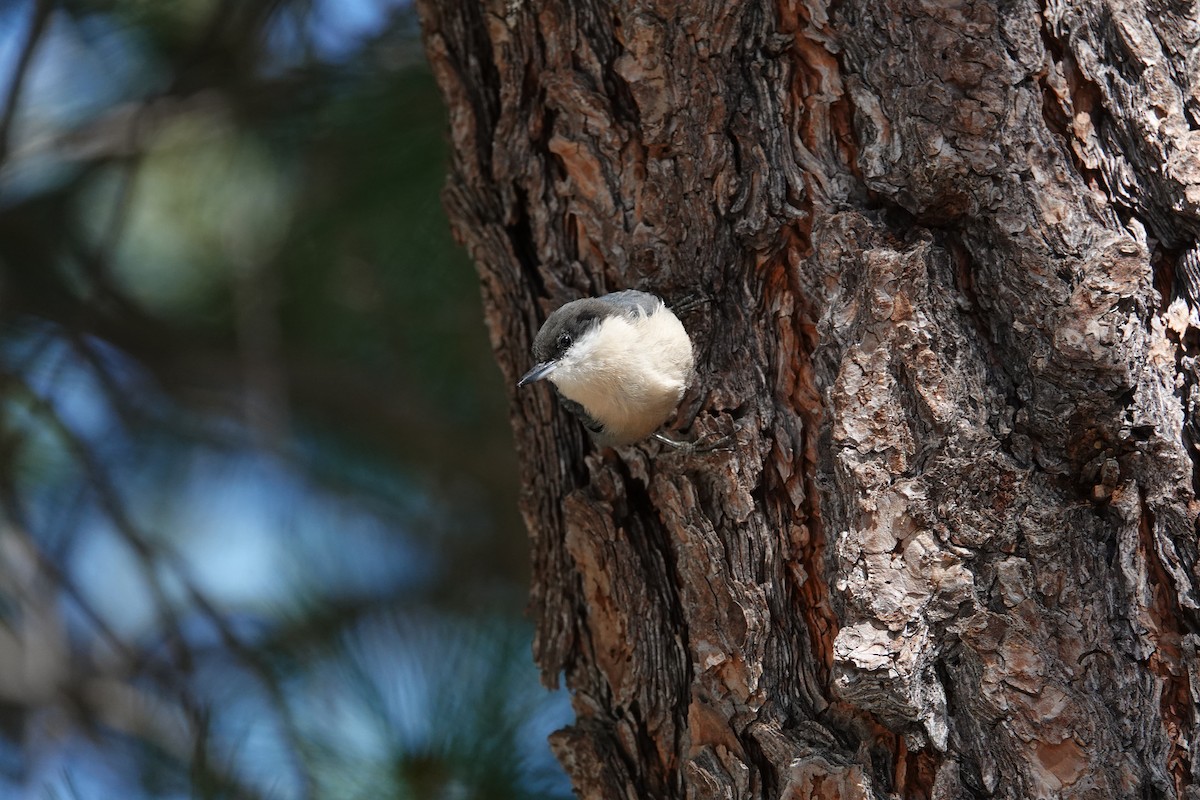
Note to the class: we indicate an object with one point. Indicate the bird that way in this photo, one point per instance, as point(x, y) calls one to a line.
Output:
point(620, 362)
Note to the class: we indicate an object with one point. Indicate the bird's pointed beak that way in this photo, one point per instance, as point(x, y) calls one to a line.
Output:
point(538, 372)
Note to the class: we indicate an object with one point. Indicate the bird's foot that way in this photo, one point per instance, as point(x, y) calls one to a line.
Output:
point(720, 442)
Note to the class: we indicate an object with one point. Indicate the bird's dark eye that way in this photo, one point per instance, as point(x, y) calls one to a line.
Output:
point(564, 341)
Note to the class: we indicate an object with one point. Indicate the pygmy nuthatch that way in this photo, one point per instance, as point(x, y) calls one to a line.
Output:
point(620, 362)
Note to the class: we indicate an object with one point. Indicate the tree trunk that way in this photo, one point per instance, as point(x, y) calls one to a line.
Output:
point(939, 262)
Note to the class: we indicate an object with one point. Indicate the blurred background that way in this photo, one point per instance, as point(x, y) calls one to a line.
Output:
point(258, 533)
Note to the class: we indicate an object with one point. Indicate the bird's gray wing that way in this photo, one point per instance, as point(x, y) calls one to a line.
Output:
point(631, 301)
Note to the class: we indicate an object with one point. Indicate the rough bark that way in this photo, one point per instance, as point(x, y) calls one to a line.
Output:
point(940, 262)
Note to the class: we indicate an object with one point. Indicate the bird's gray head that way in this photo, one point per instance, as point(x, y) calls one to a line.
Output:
point(566, 326)
point(623, 359)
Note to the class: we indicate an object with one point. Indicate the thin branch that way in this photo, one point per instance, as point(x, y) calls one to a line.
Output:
point(134, 661)
point(112, 504)
point(41, 16)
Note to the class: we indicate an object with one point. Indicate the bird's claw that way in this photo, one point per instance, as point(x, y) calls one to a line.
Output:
point(722, 442)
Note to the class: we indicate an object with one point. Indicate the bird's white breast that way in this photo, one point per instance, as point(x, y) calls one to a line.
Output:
point(629, 372)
